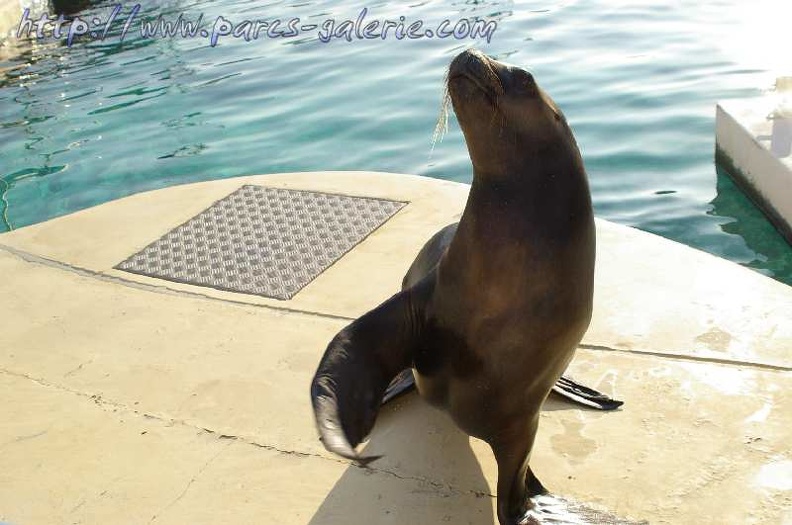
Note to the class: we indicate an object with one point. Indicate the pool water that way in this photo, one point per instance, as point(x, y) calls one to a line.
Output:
point(638, 82)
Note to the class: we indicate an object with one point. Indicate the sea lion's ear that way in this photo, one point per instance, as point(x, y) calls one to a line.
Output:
point(359, 365)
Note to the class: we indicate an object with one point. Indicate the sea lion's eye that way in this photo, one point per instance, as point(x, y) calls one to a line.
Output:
point(524, 81)
point(525, 78)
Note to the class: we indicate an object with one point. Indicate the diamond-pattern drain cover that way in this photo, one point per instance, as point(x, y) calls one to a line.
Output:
point(263, 241)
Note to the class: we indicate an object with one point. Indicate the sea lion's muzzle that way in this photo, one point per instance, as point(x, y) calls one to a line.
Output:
point(494, 78)
point(473, 67)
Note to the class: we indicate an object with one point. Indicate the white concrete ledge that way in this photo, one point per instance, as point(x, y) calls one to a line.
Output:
point(754, 145)
point(130, 400)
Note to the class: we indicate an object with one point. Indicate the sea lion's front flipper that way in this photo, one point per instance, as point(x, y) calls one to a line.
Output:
point(584, 395)
point(359, 365)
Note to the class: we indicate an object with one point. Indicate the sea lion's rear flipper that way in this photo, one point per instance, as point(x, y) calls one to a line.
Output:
point(359, 365)
point(565, 387)
point(584, 395)
point(401, 384)
point(550, 508)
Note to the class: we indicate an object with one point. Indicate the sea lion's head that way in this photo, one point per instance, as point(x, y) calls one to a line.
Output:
point(508, 121)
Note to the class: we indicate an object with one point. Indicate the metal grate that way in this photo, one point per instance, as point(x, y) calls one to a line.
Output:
point(263, 241)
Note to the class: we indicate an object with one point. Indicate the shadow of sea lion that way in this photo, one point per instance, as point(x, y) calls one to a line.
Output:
point(428, 474)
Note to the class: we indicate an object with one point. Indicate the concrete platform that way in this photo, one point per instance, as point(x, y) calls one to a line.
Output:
point(754, 145)
point(128, 399)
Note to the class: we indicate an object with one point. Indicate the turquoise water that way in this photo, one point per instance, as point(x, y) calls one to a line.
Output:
point(638, 82)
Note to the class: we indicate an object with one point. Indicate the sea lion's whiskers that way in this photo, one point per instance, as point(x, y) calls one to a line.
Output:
point(500, 116)
point(493, 76)
point(441, 127)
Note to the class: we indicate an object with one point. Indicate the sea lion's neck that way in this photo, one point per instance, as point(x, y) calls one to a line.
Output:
point(537, 203)
point(513, 231)
point(524, 220)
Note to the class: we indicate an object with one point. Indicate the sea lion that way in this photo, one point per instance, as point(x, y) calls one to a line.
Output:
point(493, 307)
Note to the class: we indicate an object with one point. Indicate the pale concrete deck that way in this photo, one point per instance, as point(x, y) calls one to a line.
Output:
point(129, 400)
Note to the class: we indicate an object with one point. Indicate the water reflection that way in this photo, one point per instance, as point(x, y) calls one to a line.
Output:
point(772, 255)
